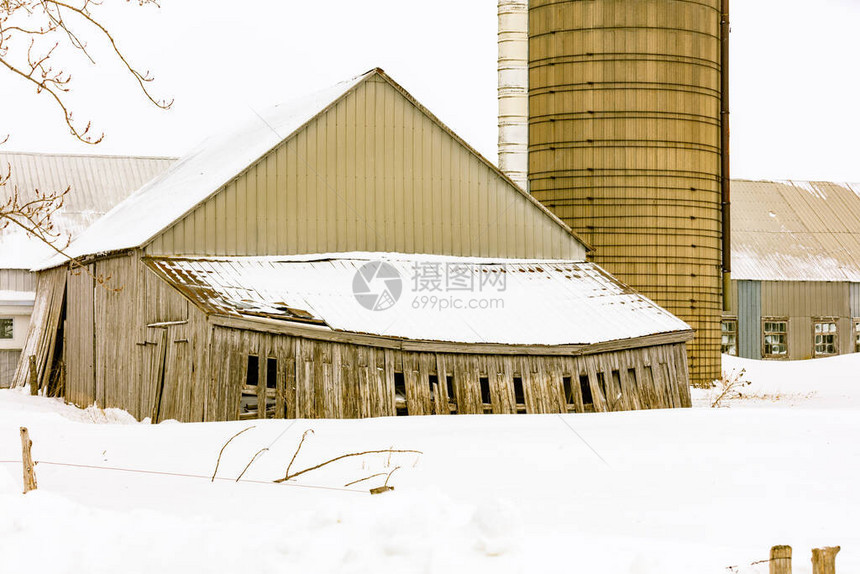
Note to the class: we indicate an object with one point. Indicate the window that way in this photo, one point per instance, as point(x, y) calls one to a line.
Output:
point(433, 381)
point(249, 407)
point(271, 386)
point(569, 399)
point(452, 398)
point(857, 335)
point(519, 394)
point(400, 394)
point(6, 328)
point(825, 337)
point(775, 338)
point(729, 345)
point(486, 399)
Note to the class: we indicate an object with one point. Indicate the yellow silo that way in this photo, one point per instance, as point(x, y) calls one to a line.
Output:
point(625, 145)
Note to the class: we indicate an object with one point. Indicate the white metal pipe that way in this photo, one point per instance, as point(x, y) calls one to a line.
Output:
point(514, 90)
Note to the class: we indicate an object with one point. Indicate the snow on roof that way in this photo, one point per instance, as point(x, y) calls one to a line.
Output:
point(17, 297)
point(199, 174)
point(96, 183)
point(795, 231)
point(437, 298)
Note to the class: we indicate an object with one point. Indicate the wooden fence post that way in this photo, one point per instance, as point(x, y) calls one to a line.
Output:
point(780, 560)
point(34, 376)
point(27, 460)
point(824, 560)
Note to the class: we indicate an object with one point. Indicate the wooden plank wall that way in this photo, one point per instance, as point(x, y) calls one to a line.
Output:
point(79, 350)
point(317, 379)
point(42, 332)
point(114, 359)
point(120, 353)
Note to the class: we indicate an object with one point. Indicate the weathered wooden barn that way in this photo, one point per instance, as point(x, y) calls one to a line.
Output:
point(796, 270)
point(95, 182)
point(191, 303)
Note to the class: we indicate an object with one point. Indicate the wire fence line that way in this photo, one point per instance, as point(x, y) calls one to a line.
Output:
point(183, 475)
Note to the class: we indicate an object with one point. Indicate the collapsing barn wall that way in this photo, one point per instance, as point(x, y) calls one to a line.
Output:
point(132, 340)
point(303, 378)
point(135, 343)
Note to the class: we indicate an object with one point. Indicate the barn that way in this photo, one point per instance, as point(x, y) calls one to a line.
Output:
point(796, 270)
point(257, 277)
point(95, 182)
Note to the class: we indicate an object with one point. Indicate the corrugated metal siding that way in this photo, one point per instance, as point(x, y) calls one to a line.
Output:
point(8, 364)
point(17, 280)
point(624, 146)
point(749, 319)
point(795, 231)
point(801, 302)
point(804, 299)
point(374, 173)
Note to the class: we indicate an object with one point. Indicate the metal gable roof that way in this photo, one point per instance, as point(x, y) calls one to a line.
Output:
point(97, 183)
point(795, 231)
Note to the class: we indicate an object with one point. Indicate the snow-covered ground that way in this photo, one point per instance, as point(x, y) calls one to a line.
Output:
point(674, 491)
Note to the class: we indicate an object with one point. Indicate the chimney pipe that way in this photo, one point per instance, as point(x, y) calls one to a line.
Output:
point(725, 28)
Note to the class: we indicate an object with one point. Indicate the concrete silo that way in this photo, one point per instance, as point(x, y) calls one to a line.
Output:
point(626, 145)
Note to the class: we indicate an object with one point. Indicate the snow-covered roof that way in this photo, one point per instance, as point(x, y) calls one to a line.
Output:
point(435, 298)
point(214, 163)
point(795, 231)
point(16, 298)
point(197, 175)
point(96, 183)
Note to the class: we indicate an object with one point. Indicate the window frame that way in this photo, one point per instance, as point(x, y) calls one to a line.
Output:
point(821, 321)
point(765, 321)
point(11, 336)
point(855, 334)
point(722, 333)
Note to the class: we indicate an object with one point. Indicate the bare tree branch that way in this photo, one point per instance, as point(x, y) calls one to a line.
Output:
point(343, 456)
point(33, 37)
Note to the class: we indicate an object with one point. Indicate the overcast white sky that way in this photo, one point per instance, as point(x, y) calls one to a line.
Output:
point(795, 75)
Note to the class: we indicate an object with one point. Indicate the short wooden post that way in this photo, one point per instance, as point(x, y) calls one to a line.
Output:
point(780, 560)
point(27, 460)
point(34, 376)
point(824, 560)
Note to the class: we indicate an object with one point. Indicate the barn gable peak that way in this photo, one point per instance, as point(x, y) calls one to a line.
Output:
point(358, 166)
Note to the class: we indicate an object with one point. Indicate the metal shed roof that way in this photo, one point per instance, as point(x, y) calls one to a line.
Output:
point(96, 182)
point(795, 231)
point(540, 303)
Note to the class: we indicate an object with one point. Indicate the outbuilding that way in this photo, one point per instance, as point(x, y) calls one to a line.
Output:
point(795, 270)
point(262, 269)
